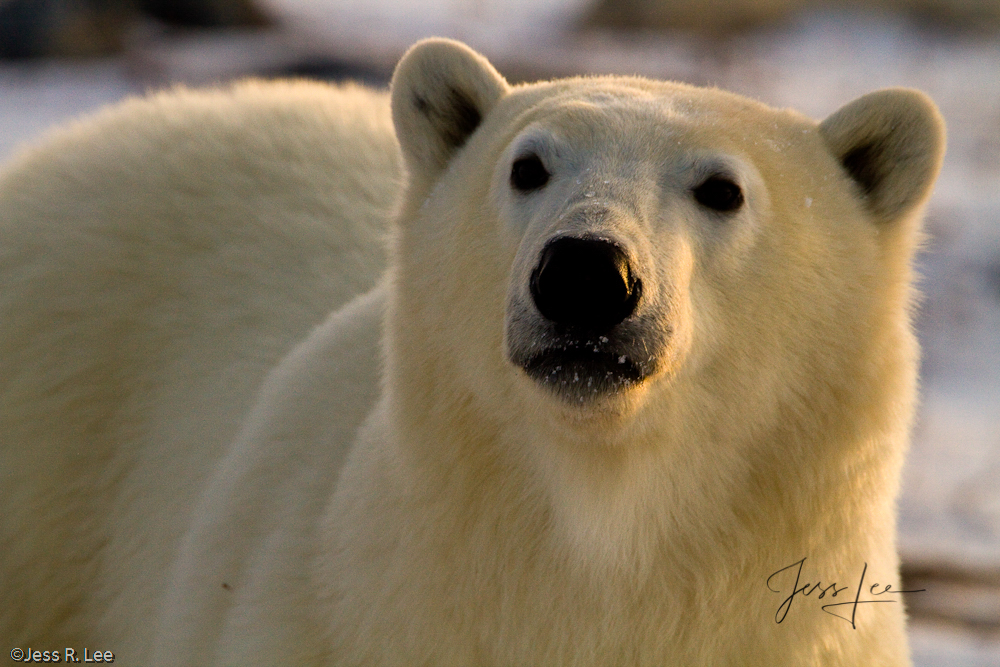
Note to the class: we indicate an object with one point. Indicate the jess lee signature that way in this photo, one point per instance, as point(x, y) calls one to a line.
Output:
point(809, 588)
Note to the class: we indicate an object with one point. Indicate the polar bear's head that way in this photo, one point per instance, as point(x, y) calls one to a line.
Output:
point(585, 244)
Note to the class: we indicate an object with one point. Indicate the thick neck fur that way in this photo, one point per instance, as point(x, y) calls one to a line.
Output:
point(658, 521)
point(663, 516)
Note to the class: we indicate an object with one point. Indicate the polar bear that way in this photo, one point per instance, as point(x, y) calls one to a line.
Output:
point(634, 388)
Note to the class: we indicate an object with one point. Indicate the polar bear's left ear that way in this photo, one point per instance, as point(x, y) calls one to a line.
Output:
point(441, 91)
point(891, 143)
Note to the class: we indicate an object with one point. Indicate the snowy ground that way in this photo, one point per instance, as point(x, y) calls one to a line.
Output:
point(950, 510)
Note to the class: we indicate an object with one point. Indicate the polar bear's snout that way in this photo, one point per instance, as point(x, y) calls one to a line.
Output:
point(581, 325)
point(585, 283)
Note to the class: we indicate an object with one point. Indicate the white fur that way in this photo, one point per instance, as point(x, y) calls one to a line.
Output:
point(399, 492)
point(157, 260)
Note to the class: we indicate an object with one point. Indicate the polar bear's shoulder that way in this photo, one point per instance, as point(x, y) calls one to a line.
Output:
point(242, 547)
point(249, 112)
point(252, 140)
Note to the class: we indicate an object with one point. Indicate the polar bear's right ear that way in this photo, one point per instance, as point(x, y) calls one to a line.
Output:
point(441, 91)
point(891, 144)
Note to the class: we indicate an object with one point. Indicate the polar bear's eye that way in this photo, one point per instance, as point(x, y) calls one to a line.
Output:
point(719, 193)
point(528, 173)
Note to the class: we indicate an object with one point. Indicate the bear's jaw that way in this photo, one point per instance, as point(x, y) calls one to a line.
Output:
point(584, 368)
point(581, 368)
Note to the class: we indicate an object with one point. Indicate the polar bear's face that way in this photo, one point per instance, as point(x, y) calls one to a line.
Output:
point(609, 200)
point(594, 239)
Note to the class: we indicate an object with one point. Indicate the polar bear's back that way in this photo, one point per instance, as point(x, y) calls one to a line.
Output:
point(155, 260)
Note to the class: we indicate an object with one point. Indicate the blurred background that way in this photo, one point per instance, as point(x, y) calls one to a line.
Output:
point(63, 58)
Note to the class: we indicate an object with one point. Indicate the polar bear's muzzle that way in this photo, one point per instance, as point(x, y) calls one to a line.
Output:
point(585, 283)
point(580, 330)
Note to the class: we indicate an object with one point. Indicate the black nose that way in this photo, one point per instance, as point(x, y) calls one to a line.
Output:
point(585, 283)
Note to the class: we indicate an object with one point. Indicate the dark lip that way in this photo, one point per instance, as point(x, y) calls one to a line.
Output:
point(583, 373)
